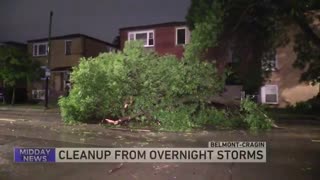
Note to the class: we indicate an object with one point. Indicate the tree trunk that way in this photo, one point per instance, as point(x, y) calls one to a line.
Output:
point(4, 87)
point(123, 119)
point(13, 95)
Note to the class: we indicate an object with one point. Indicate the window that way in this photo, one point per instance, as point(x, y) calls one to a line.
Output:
point(233, 55)
point(146, 36)
point(67, 47)
point(182, 35)
point(269, 94)
point(38, 94)
point(269, 61)
point(40, 49)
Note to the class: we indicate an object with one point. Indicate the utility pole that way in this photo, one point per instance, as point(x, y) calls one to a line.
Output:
point(48, 63)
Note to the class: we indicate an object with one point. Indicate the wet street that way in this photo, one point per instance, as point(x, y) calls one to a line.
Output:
point(293, 152)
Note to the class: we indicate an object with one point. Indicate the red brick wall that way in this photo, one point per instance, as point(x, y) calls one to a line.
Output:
point(164, 40)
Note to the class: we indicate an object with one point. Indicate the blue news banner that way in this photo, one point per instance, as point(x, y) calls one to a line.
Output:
point(239, 152)
point(22, 155)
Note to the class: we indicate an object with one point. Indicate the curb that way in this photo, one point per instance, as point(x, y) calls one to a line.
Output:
point(130, 130)
point(28, 110)
point(299, 121)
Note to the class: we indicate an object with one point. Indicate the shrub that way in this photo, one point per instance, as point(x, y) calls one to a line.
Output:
point(178, 119)
point(254, 115)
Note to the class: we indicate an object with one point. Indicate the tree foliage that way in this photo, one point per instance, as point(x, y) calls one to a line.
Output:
point(15, 66)
point(159, 86)
point(252, 28)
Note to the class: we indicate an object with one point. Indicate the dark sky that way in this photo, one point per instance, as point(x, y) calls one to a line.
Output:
point(21, 20)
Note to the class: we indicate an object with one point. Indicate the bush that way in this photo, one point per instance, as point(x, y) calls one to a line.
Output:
point(254, 116)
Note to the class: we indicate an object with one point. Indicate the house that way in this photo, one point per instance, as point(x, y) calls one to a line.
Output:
point(165, 38)
point(14, 44)
point(282, 87)
point(66, 52)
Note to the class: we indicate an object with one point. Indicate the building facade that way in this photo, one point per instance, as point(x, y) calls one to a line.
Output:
point(281, 88)
point(66, 52)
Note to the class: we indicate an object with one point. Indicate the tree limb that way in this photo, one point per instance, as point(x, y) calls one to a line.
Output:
point(243, 14)
point(123, 119)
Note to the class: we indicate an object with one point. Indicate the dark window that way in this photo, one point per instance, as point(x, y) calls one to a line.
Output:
point(151, 39)
point(42, 49)
point(269, 61)
point(35, 50)
point(68, 47)
point(181, 36)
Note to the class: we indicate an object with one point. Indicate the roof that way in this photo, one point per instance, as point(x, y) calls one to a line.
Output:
point(182, 23)
point(68, 37)
point(13, 43)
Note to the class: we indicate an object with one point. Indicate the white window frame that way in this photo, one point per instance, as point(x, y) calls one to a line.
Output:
point(263, 94)
point(36, 45)
point(276, 64)
point(65, 47)
point(186, 37)
point(134, 33)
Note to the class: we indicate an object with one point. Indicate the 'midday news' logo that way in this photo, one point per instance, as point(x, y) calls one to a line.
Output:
point(242, 152)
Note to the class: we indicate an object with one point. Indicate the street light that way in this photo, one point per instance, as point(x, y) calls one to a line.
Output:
point(48, 63)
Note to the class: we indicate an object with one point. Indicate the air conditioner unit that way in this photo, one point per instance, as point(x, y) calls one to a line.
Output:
point(269, 94)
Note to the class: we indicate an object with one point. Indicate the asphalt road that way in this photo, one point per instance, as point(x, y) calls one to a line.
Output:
point(293, 152)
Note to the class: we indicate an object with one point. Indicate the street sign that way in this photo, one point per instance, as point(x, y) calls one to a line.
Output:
point(48, 73)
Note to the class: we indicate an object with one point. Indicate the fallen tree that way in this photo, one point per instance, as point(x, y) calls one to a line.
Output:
point(136, 84)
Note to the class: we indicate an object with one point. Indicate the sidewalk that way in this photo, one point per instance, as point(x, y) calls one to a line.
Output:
point(28, 108)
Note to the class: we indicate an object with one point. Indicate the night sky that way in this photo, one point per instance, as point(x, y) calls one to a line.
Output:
point(22, 20)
